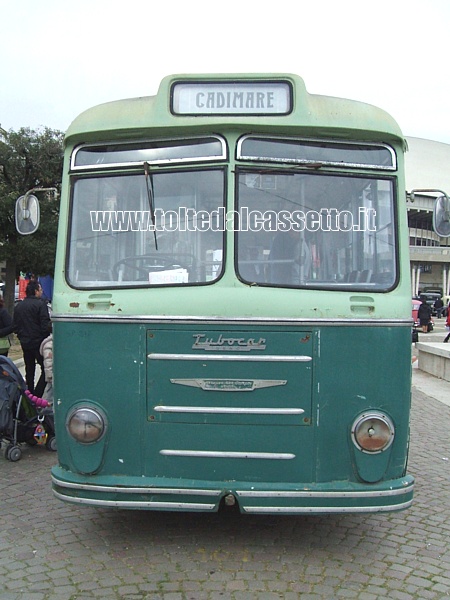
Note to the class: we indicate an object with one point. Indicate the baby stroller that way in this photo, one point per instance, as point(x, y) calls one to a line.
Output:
point(24, 418)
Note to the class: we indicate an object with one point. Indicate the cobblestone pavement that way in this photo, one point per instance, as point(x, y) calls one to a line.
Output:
point(50, 550)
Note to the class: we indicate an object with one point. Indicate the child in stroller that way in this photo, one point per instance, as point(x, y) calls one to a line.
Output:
point(23, 417)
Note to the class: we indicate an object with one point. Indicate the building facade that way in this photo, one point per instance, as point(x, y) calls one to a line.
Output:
point(427, 167)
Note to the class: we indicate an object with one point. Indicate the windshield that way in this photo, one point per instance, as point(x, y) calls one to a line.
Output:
point(139, 230)
point(315, 230)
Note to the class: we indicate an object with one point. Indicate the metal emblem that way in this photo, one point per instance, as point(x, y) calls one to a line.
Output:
point(227, 344)
point(230, 385)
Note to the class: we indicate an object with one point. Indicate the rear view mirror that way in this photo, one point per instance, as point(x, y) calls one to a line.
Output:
point(441, 216)
point(27, 214)
point(441, 210)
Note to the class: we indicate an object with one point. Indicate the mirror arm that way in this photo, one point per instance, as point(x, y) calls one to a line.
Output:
point(41, 189)
point(25, 197)
point(412, 193)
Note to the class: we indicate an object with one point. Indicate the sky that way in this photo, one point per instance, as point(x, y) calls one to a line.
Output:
point(58, 58)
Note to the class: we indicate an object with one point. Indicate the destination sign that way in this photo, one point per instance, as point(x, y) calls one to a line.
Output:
point(232, 98)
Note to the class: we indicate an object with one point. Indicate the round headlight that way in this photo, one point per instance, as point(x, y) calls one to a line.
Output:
point(373, 432)
point(86, 425)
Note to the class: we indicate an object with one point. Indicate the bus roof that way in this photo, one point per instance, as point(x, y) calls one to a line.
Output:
point(313, 115)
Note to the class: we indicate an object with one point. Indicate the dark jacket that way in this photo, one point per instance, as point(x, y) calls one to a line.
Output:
point(31, 322)
point(6, 323)
point(424, 312)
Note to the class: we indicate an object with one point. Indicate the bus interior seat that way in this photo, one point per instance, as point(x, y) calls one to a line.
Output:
point(364, 276)
point(355, 276)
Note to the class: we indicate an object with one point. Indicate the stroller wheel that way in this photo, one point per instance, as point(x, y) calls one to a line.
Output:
point(13, 453)
point(51, 443)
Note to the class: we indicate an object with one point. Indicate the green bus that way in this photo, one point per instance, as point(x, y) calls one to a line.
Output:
point(232, 302)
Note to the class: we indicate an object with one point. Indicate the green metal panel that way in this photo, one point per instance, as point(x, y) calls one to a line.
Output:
point(361, 369)
point(217, 450)
point(229, 392)
point(101, 364)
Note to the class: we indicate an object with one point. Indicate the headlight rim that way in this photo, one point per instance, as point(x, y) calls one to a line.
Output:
point(95, 410)
point(367, 416)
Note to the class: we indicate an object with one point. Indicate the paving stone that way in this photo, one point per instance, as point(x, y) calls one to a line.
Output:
point(55, 551)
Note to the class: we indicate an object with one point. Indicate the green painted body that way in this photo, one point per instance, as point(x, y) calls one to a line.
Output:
point(353, 370)
point(330, 356)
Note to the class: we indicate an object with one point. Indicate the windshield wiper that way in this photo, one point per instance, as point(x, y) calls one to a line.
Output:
point(151, 198)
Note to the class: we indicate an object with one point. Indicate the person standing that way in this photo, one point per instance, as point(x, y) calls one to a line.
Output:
point(46, 351)
point(32, 325)
point(439, 306)
point(6, 327)
point(447, 324)
point(289, 258)
point(424, 315)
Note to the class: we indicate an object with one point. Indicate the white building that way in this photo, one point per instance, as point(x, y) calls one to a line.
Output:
point(427, 167)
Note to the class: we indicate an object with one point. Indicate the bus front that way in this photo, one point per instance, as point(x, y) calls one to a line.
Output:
point(232, 303)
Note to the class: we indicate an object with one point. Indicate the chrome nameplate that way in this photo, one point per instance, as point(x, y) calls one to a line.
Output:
point(228, 344)
point(230, 385)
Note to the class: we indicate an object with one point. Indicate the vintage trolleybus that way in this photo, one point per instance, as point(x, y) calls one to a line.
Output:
point(232, 309)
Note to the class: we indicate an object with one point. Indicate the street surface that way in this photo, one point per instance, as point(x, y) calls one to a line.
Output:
point(50, 550)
